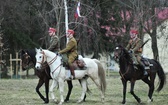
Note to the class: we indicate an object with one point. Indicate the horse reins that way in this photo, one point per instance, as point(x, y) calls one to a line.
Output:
point(122, 74)
point(30, 60)
point(50, 62)
point(27, 57)
point(42, 58)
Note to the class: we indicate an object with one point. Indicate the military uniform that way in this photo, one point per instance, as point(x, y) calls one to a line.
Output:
point(135, 46)
point(54, 44)
point(71, 50)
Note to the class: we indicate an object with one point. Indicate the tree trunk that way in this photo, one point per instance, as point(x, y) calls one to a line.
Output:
point(154, 45)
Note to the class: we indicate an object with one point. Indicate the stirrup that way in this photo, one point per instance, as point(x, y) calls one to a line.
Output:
point(68, 78)
point(72, 77)
point(135, 67)
point(145, 73)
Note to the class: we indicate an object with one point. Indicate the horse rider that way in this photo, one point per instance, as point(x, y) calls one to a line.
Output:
point(54, 41)
point(71, 50)
point(134, 47)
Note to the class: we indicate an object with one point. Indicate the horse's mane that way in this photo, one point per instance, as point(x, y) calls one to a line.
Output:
point(126, 54)
point(31, 53)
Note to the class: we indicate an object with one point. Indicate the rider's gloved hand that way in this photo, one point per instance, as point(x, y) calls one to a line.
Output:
point(58, 54)
point(131, 51)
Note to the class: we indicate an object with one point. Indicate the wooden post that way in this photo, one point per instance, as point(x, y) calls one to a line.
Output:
point(16, 65)
point(11, 65)
point(15, 60)
point(20, 69)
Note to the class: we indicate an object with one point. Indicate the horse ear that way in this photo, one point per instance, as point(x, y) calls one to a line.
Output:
point(41, 49)
point(36, 49)
point(22, 51)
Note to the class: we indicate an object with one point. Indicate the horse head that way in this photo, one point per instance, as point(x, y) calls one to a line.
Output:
point(120, 52)
point(40, 58)
point(26, 59)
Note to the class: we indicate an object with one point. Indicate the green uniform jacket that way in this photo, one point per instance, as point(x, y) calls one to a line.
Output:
point(71, 49)
point(135, 45)
point(54, 44)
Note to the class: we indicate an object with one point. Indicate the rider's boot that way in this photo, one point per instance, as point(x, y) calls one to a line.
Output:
point(72, 71)
point(135, 63)
point(145, 72)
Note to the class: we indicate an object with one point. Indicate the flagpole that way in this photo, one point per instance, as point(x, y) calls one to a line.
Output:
point(66, 18)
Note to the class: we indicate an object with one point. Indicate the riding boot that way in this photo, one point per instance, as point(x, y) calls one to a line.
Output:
point(72, 71)
point(145, 72)
point(134, 59)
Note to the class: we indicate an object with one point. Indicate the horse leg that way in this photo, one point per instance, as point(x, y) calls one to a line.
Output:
point(40, 83)
point(124, 82)
point(132, 92)
point(61, 89)
point(97, 82)
point(151, 87)
point(46, 89)
point(53, 85)
point(84, 89)
point(70, 86)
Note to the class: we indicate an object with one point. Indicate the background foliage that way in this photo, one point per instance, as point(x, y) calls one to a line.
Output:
point(105, 23)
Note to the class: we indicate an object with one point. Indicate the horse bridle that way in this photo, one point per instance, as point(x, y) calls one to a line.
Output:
point(50, 62)
point(42, 58)
point(118, 54)
point(121, 53)
point(27, 57)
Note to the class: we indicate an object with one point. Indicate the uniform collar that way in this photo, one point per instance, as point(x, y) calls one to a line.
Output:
point(135, 38)
point(70, 38)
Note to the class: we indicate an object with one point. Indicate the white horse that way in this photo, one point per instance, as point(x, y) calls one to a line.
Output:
point(94, 70)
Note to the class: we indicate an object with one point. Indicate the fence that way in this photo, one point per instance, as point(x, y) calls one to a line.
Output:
point(110, 66)
point(18, 65)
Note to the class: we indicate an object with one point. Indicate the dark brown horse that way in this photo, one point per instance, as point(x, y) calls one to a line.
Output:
point(29, 60)
point(129, 73)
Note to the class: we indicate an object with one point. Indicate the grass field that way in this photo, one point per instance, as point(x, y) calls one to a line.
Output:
point(22, 92)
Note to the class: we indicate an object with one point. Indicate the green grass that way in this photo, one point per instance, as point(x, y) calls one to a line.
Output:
point(22, 92)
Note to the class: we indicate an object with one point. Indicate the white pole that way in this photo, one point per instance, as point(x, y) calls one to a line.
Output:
point(66, 18)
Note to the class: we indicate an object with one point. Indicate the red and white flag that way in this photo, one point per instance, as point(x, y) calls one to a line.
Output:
point(77, 13)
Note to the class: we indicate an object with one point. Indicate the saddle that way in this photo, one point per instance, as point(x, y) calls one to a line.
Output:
point(146, 63)
point(78, 64)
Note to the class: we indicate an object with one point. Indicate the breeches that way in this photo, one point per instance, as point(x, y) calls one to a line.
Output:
point(71, 59)
point(138, 59)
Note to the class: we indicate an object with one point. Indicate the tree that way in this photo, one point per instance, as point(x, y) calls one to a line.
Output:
point(143, 16)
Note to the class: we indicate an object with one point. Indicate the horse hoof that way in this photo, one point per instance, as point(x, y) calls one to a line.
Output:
point(102, 101)
point(150, 100)
point(66, 100)
point(60, 103)
point(139, 100)
point(46, 101)
point(79, 101)
point(56, 101)
point(123, 102)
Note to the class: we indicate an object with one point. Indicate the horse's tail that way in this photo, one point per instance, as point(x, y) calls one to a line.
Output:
point(102, 75)
point(162, 77)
